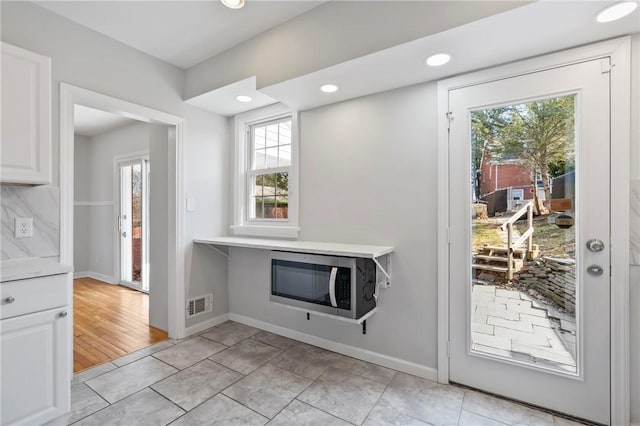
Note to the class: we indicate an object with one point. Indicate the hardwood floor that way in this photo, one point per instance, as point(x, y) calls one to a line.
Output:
point(109, 321)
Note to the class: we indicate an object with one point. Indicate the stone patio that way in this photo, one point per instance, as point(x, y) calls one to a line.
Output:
point(512, 324)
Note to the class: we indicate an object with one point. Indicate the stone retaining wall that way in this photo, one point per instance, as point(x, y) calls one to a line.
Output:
point(555, 279)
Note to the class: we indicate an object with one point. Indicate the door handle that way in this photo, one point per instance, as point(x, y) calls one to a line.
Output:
point(332, 287)
point(595, 270)
point(595, 245)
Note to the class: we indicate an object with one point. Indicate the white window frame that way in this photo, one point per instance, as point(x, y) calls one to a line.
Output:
point(242, 224)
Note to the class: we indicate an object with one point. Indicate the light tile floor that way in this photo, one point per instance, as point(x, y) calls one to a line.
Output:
point(233, 374)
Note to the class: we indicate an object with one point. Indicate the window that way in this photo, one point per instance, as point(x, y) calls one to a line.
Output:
point(265, 196)
point(269, 171)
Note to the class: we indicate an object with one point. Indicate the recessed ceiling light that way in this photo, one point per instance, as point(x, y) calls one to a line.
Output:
point(329, 88)
point(244, 98)
point(233, 4)
point(438, 59)
point(617, 11)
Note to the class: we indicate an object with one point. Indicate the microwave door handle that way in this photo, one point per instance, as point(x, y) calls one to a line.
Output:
point(332, 287)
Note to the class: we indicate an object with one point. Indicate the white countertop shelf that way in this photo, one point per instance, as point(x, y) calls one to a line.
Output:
point(333, 249)
point(31, 267)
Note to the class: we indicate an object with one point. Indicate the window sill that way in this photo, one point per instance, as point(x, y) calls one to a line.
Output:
point(290, 232)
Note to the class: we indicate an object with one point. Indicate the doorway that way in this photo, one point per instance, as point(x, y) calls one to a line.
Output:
point(112, 299)
point(133, 222)
point(172, 205)
point(531, 290)
point(537, 303)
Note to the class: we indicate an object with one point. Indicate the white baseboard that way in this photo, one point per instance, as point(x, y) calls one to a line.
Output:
point(101, 277)
point(363, 354)
point(83, 274)
point(202, 326)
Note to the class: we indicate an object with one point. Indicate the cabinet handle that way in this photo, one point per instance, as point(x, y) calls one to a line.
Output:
point(9, 300)
point(62, 314)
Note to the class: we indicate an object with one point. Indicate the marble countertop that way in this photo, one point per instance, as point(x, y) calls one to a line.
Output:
point(31, 267)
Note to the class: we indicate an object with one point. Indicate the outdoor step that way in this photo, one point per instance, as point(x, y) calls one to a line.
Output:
point(489, 258)
point(503, 249)
point(517, 263)
point(492, 268)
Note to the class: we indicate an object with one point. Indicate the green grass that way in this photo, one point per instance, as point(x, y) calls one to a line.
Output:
point(485, 233)
point(553, 241)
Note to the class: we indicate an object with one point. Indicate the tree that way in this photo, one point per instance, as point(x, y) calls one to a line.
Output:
point(278, 181)
point(537, 134)
point(487, 125)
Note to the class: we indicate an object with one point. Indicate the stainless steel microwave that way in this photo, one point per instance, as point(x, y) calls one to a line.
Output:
point(343, 286)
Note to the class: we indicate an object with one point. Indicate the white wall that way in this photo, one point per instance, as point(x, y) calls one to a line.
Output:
point(367, 175)
point(87, 59)
point(158, 226)
point(207, 181)
point(81, 213)
point(634, 282)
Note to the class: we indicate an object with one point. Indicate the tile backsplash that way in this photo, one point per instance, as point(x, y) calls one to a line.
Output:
point(42, 203)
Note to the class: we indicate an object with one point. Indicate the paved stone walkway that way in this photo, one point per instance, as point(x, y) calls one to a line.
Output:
point(512, 324)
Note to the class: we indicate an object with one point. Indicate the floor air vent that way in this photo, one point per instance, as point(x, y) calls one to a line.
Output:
point(199, 305)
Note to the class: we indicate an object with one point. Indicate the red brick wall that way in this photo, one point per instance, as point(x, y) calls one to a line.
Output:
point(499, 176)
point(137, 255)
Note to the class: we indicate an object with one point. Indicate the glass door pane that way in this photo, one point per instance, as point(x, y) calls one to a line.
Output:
point(523, 170)
point(132, 224)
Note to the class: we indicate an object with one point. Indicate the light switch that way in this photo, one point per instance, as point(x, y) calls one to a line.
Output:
point(191, 204)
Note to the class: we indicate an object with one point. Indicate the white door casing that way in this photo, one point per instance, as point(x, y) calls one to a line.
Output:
point(619, 51)
point(71, 95)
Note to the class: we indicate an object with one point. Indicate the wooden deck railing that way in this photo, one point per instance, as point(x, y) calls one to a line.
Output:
point(527, 235)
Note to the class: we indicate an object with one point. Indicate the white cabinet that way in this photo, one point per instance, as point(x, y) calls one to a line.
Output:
point(35, 350)
point(25, 140)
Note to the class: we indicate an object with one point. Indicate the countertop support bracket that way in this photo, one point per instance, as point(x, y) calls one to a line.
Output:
point(216, 249)
point(386, 270)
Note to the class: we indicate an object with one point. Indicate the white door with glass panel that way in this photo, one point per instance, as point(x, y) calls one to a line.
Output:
point(133, 223)
point(530, 281)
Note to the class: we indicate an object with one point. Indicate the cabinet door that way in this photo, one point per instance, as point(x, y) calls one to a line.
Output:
point(35, 382)
point(26, 117)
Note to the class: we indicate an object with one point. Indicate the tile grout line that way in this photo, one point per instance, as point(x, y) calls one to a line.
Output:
point(320, 409)
point(219, 392)
point(378, 400)
point(238, 402)
point(104, 408)
point(464, 395)
point(170, 401)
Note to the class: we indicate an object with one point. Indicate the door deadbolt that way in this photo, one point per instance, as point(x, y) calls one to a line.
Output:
point(595, 270)
point(595, 245)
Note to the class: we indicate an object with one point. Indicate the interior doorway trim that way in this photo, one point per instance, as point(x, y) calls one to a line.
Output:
point(620, 52)
point(71, 95)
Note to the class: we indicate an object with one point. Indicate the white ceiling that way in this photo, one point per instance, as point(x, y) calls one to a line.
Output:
point(90, 122)
point(527, 31)
point(182, 33)
point(223, 100)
